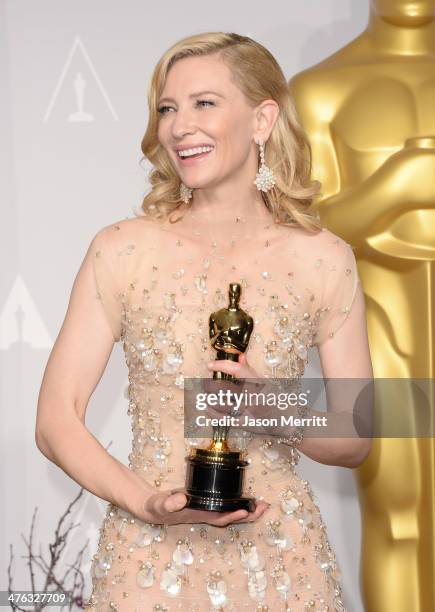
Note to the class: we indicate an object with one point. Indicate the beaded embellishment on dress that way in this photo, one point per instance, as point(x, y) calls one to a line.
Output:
point(157, 285)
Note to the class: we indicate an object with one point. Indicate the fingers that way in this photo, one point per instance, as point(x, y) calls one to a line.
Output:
point(238, 516)
point(225, 518)
point(160, 504)
point(239, 369)
point(224, 365)
point(218, 519)
point(255, 515)
point(163, 507)
point(211, 385)
point(174, 502)
point(250, 517)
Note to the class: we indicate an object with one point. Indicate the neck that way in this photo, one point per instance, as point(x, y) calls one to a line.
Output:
point(225, 202)
point(404, 39)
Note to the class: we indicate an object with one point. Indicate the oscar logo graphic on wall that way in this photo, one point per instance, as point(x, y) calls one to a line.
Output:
point(21, 321)
point(79, 90)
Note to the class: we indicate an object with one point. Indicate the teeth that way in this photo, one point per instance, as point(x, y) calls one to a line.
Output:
point(188, 152)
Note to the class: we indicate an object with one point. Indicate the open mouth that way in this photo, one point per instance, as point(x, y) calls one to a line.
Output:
point(194, 153)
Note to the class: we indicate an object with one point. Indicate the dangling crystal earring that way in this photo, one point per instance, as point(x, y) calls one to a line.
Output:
point(185, 193)
point(265, 178)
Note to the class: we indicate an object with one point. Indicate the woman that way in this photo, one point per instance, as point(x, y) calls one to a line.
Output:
point(213, 216)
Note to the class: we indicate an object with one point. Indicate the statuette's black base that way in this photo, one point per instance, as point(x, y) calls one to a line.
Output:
point(217, 504)
point(214, 481)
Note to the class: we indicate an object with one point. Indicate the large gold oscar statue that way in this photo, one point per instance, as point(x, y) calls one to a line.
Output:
point(369, 112)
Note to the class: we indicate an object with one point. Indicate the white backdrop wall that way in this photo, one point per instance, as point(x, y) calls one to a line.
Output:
point(62, 180)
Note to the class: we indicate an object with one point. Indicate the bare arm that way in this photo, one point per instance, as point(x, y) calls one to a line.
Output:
point(345, 355)
point(74, 368)
point(342, 340)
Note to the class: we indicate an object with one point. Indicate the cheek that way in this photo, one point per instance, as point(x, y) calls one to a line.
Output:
point(215, 127)
point(239, 145)
point(161, 133)
point(225, 127)
point(235, 140)
point(164, 129)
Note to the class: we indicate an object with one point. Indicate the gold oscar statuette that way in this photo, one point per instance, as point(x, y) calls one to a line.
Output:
point(215, 474)
point(368, 110)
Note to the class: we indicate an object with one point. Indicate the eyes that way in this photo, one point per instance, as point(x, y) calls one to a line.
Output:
point(162, 109)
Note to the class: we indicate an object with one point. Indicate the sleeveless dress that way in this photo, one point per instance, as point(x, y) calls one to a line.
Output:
point(158, 282)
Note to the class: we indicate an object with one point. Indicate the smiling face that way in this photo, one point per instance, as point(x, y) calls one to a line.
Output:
point(200, 106)
point(405, 12)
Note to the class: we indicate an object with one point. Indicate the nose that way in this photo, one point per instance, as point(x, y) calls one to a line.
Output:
point(182, 123)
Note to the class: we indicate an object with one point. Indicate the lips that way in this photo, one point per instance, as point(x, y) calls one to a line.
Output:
point(193, 159)
point(193, 146)
point(195, 155)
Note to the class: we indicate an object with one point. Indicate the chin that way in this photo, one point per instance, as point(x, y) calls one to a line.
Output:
point(203, 184)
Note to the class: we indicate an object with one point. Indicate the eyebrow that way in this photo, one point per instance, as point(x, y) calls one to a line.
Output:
point(194, 95)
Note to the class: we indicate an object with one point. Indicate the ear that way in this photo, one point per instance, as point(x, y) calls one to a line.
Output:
point(265, 117)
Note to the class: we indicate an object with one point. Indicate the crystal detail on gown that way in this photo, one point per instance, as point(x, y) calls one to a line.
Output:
point(157, 285)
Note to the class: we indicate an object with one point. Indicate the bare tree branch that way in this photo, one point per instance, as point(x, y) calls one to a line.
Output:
point(72, 581)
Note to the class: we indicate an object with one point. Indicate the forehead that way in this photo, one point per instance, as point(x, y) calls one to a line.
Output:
point(204, 73)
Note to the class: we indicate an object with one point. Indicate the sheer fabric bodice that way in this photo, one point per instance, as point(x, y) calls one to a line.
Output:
point(158, 283)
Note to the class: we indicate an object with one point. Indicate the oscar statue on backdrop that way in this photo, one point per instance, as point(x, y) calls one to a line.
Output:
point(80, 115)
point(368, 113)
point(215, 474)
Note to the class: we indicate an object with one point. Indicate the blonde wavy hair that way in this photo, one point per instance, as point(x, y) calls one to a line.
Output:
point(288, 152)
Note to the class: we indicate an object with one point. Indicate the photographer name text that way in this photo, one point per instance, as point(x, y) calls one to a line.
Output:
point(248, 421)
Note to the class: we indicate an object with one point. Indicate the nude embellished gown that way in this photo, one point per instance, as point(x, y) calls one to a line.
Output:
point(158, 283)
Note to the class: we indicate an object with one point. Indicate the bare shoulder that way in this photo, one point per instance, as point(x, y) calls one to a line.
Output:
point(321, 246)
point(322, 238)
point(330, 241)
point(126, 231)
